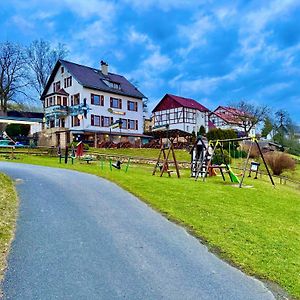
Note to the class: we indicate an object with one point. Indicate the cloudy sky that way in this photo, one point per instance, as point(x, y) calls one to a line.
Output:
point(216, 52)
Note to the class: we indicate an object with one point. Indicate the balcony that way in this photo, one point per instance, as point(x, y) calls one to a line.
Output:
point(56, 111)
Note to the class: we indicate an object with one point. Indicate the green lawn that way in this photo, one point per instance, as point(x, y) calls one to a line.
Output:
point(8, 213)
point(256, 229)
point(181, 155)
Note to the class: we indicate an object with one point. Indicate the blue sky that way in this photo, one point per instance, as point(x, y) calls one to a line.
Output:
point(216, 52)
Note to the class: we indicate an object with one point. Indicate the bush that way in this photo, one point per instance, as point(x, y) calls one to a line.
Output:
point(218, 158)
point(15, 130)
point(279, 162)
point(254, 153)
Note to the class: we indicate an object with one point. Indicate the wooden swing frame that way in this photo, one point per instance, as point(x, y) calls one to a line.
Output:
point(218, 144)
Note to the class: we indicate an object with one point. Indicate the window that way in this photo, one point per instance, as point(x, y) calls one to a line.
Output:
point(113, 85)
point(65, 101)
point(124, 124)
point(56, 86)
point(115, 103)
point(51, 101)
point(68, 81)
point(62, 70)
point(133, 124)
point(58, 100)
point(75, 99)
point(75, 121)
point(95, 120)
point(106, 121)
point(97, 99)
point(132, 106)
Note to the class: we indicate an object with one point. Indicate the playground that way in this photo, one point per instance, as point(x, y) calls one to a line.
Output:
point(256, 229)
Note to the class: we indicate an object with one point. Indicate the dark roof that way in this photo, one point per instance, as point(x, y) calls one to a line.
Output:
point(25, 114)
point(93, 78)
point(182, 102)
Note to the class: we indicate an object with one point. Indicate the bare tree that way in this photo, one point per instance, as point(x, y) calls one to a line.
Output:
point(12, 74)
point(249, 115)
point(41, 59)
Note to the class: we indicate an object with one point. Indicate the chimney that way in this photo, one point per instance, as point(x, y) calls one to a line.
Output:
point(104, 67)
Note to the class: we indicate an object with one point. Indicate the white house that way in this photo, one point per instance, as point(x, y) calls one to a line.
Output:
point(180, 113)
point(81, 103)
point(230, 118)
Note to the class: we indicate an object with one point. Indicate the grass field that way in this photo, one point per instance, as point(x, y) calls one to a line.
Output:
point(181, 155)
point(256, 229)
point(8, 213)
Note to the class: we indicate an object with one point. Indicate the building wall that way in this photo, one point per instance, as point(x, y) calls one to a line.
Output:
point(116, 114)
point(186, 119)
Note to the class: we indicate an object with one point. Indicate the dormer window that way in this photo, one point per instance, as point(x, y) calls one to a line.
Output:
point(56, 86)
point(113, 85)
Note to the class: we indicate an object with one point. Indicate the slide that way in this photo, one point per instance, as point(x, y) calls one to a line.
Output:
point(233, 177)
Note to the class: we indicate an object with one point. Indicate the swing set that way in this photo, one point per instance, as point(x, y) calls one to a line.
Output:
point(218, 144)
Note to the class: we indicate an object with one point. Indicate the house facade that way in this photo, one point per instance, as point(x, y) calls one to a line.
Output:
point(180, 113)
point(230, 118)
point(83, 103)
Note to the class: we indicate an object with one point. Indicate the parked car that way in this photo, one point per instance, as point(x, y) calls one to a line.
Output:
point(8, 143)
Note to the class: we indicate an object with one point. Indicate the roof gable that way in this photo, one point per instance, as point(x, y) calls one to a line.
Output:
point(171, 101)
point(94, 79)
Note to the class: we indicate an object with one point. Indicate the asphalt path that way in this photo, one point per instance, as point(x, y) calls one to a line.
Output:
point(82, 237)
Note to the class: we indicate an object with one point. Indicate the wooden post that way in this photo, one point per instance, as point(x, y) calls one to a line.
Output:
point(245, 166)
point(262, 156)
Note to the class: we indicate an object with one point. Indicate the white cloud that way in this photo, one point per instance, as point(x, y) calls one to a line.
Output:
point(164, 5)
point(86, 9)
point(157, 62)
point(96, 34)
point(253, 33)
point(207, 85)
point(22, 23)
point(195, 34)
point(275, 88)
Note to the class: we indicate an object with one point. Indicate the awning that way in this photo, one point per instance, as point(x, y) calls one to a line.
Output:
point(18, 120)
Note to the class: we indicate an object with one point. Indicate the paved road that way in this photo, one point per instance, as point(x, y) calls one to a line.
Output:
point(81, 237)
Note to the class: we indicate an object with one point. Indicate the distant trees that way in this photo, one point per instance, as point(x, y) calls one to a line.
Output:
point(281, 130)
point(268, 127)
point(252, 115)
point(12, 73)
point(25, 70)
point(40, 59)
point(201, 130)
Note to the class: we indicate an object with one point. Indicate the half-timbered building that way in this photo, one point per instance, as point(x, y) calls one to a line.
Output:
point(180, 113)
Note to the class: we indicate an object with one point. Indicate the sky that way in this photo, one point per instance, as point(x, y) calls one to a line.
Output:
point(216, 52)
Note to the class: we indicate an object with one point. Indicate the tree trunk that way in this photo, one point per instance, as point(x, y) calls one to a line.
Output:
point(2, 125)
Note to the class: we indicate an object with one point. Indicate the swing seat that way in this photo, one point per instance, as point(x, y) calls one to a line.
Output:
point(117, 165)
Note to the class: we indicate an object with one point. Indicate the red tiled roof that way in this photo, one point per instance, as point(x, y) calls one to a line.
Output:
point(181, 102)
point(211, 125)
point(190, 103)
point(233, 119)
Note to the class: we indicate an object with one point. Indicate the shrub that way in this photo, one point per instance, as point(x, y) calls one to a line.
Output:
point(218, 158)
point(279, 162)
point(254, 153)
